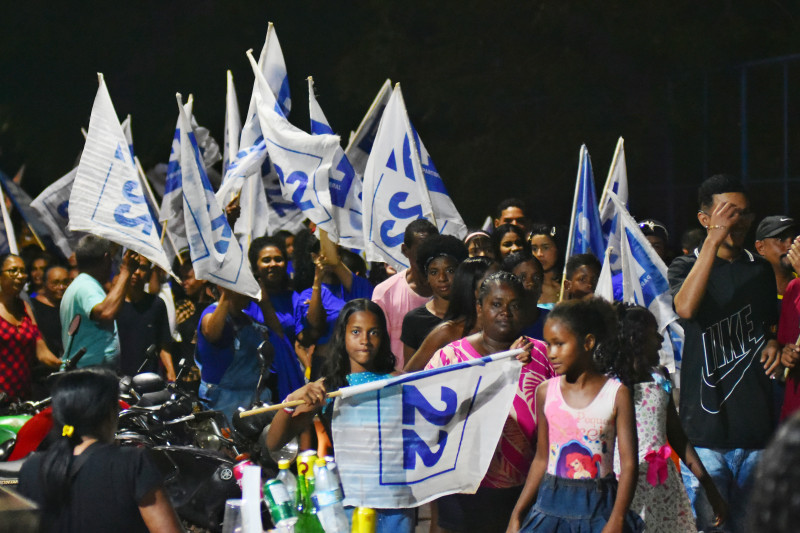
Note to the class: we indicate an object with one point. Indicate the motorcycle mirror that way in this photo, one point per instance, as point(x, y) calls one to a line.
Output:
point(74, 325)
point(266, 354)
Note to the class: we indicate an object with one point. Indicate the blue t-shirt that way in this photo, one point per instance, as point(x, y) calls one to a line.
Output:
point(283, 304)
point(333, 299)
point(99, 338)
point(214, 358)
point(536, 330)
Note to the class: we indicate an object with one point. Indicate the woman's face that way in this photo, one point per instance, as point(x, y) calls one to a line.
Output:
point(13, 276)
point(362, 339)
point(440, 274)
point(544, 249)
point(289, 245)
point(271, 266)
point(510, 243)
point(480, 247)
point(37, 272)
point(500, 313)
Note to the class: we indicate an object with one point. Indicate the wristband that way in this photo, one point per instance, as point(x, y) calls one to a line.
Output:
point(716, 227)
point(288, 410)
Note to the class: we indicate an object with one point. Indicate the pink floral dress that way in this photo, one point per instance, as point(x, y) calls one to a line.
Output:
point(660, 498)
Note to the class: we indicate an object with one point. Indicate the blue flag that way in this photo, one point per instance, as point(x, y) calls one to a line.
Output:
point(585, 231)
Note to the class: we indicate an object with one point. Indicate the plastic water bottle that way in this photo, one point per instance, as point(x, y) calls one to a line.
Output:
point(287, 478)
point(327, 500)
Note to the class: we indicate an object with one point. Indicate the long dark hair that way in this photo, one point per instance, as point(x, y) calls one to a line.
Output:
point(501, 231)
point(337, 362)
point(462, 292)
point(83, 400)
point(621, 355)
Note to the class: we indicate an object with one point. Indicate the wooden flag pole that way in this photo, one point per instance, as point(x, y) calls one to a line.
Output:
point(152, 199)
point(279, 406)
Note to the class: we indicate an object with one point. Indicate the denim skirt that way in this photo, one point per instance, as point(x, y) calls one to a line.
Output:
point(576, 506)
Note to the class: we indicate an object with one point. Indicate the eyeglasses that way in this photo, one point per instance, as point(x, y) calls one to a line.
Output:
point(16, 272)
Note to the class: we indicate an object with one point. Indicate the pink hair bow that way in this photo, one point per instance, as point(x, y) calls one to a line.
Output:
point(657, 465)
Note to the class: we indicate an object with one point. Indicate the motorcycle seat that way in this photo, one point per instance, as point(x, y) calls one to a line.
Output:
point(11, 468)
point(147, 382)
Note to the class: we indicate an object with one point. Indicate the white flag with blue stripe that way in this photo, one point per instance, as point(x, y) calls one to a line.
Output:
point(644, 282)
point(401, 184)
point(360, 143)
point(8, 240)
point(216, 255)
point(434, 431)
point(301, 161)
point(617, 182)
point(344, 183)
point(233, 125)
point(52, 204)
point(585, 231)
point(107, 197)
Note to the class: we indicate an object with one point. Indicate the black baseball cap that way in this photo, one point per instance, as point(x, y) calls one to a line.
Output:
point(773, 226)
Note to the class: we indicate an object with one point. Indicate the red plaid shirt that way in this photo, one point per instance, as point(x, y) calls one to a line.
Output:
point(17, 349)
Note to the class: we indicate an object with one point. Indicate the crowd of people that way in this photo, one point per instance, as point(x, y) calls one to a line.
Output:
point(594, 428)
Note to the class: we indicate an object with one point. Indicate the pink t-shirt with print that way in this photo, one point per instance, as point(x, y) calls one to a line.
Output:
point(396, 298)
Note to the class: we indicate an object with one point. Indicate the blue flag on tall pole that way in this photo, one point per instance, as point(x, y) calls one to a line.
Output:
point(344, 183)
point(21, 201)
point(617, 183)
point(644, 282)
point(585, 231)
point(216, 255)
point(401, 184)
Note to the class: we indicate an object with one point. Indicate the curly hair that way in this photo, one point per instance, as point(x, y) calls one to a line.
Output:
point(590, 316)
point(337, 363)
point(622, 356)
point(440, 246)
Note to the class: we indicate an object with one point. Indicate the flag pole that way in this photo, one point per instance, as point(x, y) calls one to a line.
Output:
point(152, 199)
point(620, 144)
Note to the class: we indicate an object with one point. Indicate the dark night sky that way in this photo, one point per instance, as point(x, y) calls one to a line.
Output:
point(502, 94)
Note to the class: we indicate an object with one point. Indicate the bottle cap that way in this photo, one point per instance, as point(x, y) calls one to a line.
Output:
point(320, 462)
point(283, 464)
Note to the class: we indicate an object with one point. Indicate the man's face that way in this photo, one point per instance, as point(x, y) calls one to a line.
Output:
point(512, 215)
point(411, 251)
point(658, 245)
point(774, 249)
point(739, 225)
point(142, 273)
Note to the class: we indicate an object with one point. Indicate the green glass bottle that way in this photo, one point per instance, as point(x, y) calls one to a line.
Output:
point(307, 521)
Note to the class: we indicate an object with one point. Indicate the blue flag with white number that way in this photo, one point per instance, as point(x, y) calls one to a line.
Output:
point(344, 183)
point(434, 431)
point(107, 197)
point(585, 231)
point(216, 254)
point(644, 282)
point(401, 184)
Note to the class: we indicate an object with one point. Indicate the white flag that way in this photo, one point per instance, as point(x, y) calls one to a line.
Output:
point(52, 205)
point(233, 125)
point(216, 255)
point(401, 184)
point(344, 183)
point(302, 161)
point(617, 183)
point(126, 129)
point(644, 282)
point(435, 432)
point(106, 197)
point(361, 141)
point(10, 244)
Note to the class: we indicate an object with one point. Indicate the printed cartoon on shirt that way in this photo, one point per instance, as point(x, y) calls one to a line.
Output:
point(575, 461)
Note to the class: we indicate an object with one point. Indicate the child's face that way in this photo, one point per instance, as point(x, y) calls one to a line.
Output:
point(440, 273)
point(361, 340)
point(583, 282)
point(652, 344)
point(564, 349)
